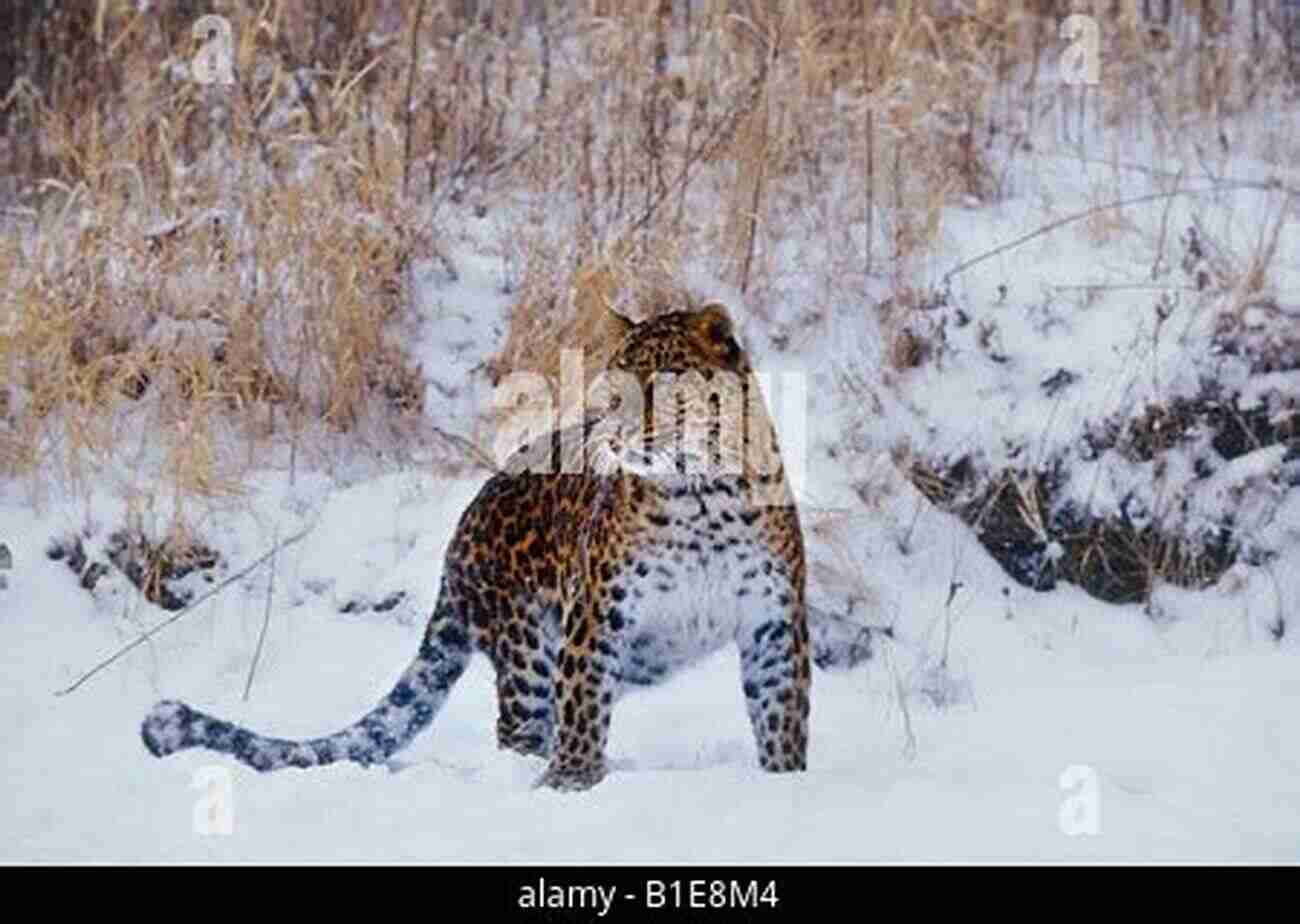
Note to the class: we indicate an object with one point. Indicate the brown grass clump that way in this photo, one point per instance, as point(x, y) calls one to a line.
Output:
point(199, 252)
point(175, 248)
point(1112, 559)
point(155, 567)
point(561, 337)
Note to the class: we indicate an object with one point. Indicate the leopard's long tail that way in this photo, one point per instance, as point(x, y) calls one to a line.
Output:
point(407, 710)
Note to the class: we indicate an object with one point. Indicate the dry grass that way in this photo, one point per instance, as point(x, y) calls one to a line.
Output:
point(189, 259)
point(223, 272)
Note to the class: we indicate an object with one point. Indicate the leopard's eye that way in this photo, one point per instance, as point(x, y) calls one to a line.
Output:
point(718, 332)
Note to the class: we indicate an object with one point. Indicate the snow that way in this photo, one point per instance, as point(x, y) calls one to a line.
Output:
point(1183, 728)
point(995, 724)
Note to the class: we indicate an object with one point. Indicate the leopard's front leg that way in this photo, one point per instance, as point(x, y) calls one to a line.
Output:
point(775, 674)
point(585, 688)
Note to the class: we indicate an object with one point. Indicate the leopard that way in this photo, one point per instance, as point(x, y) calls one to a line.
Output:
point(602, 557)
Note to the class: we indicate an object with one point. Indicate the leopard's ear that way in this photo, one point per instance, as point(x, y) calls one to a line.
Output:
point(618, 325)
point(715, 335)
point(712, 324)
point(594, 292)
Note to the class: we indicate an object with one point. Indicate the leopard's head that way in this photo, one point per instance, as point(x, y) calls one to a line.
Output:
point(682, 383)
point(695, 339)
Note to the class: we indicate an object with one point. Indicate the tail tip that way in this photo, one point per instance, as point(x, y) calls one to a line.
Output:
point(165, 729)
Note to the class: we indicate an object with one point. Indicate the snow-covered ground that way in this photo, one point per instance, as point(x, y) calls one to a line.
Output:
point(1185, 734)
point(995, 724)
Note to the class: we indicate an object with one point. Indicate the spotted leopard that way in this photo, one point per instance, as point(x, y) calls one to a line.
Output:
point(604, 557)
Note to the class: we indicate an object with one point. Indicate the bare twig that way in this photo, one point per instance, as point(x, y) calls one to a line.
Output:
point(900, 691)
point(718, 136)
point(266, 619)
point(179, 613)
point(1087, 213)
point(410, 88)
point(1121, 287)
point(1271, 183)
point(1164, 231)
point(469, 449)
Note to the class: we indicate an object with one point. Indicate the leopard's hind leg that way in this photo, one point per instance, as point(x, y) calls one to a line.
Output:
point(589, 681)
point(524, 655)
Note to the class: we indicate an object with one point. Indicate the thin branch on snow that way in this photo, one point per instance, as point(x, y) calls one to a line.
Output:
point(144, 637)
point(1088, 213)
